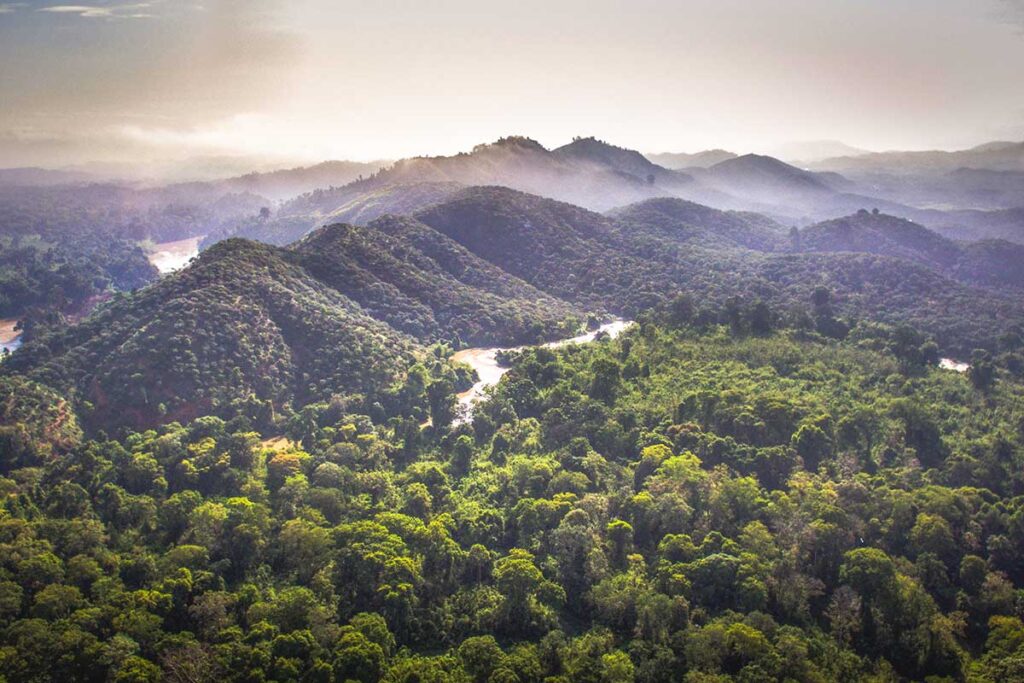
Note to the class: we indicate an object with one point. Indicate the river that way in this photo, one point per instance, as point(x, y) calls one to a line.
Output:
point(485, 361)
point(9, 339)
point(171, 256)
point(955, 365)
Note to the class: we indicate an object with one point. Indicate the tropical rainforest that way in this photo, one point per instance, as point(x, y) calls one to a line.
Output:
point(802, 459)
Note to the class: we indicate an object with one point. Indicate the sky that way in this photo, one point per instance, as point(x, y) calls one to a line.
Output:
point(306, 80)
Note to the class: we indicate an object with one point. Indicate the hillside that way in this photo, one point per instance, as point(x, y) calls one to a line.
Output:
point(993, 156)
point(591, 174)
point(880, 234)
point(682, 160)
point(428, 286)
point(990, 263)
point(341, 311)
point(288, 183)
point(690, 223)
point(242, 323)
point(1007, 224)
point(596, 261)
point(586, 172)
point(766, 179)
point(564, 250)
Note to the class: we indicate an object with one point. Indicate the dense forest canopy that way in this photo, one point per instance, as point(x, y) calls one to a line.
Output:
point(690, 501)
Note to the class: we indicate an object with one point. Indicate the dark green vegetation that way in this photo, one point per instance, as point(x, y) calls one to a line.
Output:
point(994, 263)
point(344, 310)
point(683, 503)
point(43, 284)
point(642, 256)
point(428, 286)
point(243, 324)
point(64, 248)
point(250, 328)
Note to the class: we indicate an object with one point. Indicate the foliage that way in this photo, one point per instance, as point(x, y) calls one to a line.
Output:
point(681, 503)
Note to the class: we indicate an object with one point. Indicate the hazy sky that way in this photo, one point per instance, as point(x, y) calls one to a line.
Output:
point(314, 79)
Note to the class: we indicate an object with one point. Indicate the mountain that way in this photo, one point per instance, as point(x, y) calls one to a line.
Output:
point(695, 224)
point(628, 162)
point(765, 179)
point(428, 286)
point(35, 177)
point(679, 160)
point(287, 183)
point(802, 153)
point(346, 310)
point(564, 250)
point(881, 234)
point(342, 312)
point(987, 263)
point(243, 322)
point(1005, 224)
point(957, 190)
point(586, 172)
point(993, 156)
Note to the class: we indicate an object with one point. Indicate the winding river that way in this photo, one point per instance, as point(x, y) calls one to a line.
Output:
point(485, 361)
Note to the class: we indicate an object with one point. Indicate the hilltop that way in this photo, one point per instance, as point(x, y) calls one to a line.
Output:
point(416, 280)
point(989, 262)
point(696, 224)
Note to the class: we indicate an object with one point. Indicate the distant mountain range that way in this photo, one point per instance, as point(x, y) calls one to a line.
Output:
point(967, 194)
point(992, 156)
point(696, 160)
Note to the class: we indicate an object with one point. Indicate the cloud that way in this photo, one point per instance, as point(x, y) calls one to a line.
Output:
point(9, 7)
point(126, 11)
point(198, 66)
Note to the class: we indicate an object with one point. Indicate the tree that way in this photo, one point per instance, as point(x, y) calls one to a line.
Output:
point(480, 657)
point(527, 595)
point(982, 372)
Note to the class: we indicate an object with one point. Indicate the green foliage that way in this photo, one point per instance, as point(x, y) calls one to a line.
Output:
point(775, 507)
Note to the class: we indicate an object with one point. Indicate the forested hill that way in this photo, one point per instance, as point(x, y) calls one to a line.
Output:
point(418, 281)
point(344, 312)
point(242, 323)
point(642, 256)
point(687, 222)
point(359, 203)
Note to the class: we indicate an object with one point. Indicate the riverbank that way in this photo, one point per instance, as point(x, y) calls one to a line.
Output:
point(489, 371)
